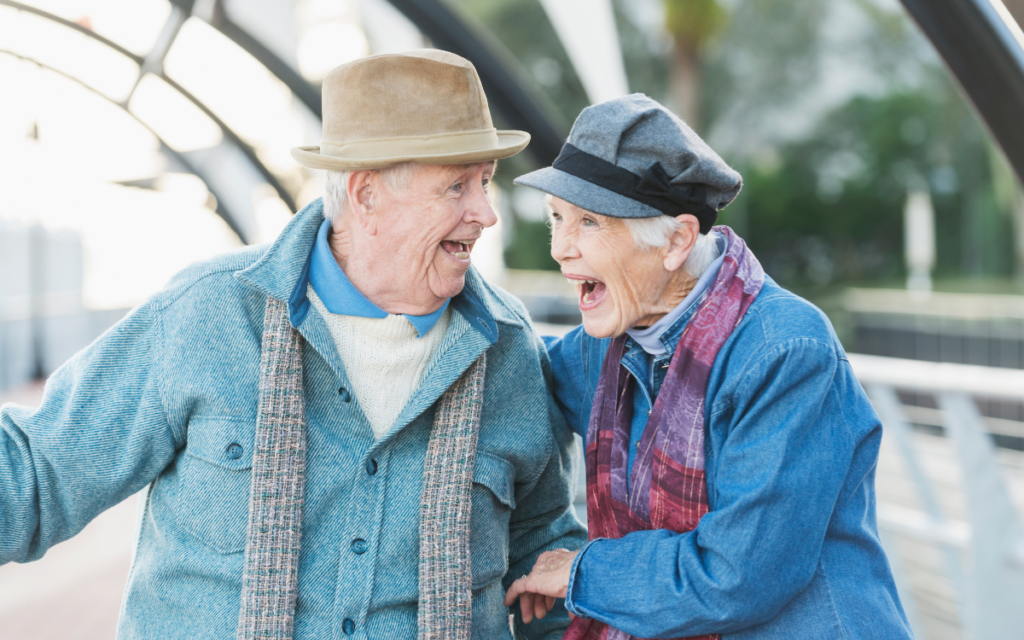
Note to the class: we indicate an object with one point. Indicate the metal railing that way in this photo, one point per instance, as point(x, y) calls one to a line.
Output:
point(954, 540)
point(982, 558)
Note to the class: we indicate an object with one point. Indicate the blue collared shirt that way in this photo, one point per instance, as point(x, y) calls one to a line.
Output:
point(342, 297)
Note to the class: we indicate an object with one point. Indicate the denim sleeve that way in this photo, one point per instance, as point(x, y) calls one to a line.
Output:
point(779, 474)
point(569, 382)
point(544, 519)
point(99, 436)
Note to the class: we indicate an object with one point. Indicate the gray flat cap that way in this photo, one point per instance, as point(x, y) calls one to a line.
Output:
point(633, 158)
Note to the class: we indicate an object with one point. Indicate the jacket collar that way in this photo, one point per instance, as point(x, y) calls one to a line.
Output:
point(283, 273)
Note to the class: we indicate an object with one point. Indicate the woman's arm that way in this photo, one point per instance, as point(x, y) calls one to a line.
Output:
point(784, 462)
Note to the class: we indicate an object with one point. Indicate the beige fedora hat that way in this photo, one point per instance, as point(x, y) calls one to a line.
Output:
point(423, 106)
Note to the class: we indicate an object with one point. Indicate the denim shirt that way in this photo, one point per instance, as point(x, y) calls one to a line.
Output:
point(790, 548)
point(166, 398)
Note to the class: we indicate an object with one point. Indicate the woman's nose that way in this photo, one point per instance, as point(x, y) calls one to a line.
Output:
point(562, 246)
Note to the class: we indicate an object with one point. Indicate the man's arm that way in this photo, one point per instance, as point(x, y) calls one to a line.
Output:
point(779, 474)
point(544, 520)
point(100, 435)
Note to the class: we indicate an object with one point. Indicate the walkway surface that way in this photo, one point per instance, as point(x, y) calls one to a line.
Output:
point(74, 592)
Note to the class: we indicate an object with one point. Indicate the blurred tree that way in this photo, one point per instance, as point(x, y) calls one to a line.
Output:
point(522, 27)
point(831, 109)
point(829, 208)
point(692, 23)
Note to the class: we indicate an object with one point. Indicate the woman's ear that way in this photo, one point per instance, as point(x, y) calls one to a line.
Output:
point(681, 242)
point(361, 185)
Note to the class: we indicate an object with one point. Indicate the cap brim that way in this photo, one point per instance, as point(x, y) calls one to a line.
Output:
point(586, 195)
point(509, 144)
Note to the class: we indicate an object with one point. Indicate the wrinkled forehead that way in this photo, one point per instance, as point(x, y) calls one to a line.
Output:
point(447, 171)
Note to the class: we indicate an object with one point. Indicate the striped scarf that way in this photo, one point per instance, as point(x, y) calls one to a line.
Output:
point(270, 578)
point(667, 486)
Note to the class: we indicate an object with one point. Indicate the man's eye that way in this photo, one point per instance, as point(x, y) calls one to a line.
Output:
point(486, 182)
point(457, 187)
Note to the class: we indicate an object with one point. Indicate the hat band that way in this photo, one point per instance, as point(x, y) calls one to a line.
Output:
point(654, 188)
point(404, 146)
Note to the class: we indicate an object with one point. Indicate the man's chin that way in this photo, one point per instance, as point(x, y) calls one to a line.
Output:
point(450, 286)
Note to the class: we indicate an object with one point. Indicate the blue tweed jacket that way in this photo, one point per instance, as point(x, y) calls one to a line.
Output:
point(167, 398)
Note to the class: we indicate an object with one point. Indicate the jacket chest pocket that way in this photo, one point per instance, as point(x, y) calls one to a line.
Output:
point(215, 477)
point(493, 502)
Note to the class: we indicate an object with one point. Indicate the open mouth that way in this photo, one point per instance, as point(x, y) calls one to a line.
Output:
point(458, 249)
point(591, 292)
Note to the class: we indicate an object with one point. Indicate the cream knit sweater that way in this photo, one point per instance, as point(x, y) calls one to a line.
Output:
point(384, 359)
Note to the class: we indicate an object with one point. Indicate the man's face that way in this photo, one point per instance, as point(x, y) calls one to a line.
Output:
point(429, 228)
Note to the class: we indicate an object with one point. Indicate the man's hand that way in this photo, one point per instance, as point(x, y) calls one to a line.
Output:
point(548, 580)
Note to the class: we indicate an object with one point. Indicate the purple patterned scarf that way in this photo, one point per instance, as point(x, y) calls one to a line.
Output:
point(667, 488)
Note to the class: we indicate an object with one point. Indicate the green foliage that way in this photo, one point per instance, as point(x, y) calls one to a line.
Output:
point(830, 208)
point(693, 22)
point(826, 178)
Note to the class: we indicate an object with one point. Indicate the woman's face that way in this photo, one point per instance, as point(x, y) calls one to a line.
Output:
point(619, 285)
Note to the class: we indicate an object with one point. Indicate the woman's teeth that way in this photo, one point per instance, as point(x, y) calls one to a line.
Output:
point(587, 285)
point(464, 253)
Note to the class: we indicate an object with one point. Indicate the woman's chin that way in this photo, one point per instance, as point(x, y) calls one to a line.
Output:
point(599, 325)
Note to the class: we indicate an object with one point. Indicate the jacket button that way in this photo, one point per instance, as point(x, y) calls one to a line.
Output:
point(371, 467)
point(348, 626)
point(345, 395)
point(359, 546)
point(234, 451)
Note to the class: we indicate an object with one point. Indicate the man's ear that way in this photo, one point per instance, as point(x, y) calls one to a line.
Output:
point(361, 189)
point(681, 242)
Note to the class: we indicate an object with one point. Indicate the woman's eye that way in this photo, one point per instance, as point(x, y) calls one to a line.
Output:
point(486, 182)
point(457, 187)
point(589, 222)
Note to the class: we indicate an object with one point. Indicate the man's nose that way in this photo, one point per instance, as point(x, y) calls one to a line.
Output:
point(480, 210)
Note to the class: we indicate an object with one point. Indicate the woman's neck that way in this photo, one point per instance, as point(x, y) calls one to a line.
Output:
point(678, 288)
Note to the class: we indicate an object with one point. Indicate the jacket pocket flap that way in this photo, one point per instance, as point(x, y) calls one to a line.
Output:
point(225, 442)
point(497, 475)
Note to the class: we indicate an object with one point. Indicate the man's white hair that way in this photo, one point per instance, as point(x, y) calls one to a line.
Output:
point(336, 186)
point(654, 233)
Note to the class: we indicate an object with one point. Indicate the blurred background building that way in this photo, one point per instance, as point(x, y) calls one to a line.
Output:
point(138, 136)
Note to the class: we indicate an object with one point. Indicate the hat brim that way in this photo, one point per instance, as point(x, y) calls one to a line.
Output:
point(586, 195)
point(509, 144)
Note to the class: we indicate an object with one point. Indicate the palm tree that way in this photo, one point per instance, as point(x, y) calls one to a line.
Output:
point(691, 23)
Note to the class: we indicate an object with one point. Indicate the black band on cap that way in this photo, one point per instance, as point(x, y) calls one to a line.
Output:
point(654, 188)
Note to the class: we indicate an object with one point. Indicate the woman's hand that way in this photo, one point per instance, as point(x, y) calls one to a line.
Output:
point(548, 580)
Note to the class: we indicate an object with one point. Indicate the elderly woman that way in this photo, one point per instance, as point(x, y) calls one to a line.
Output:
point(730, 450)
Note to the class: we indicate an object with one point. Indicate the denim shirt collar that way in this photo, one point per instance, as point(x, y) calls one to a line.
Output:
point(662, 337)
point(342, 297)
point(283, 273)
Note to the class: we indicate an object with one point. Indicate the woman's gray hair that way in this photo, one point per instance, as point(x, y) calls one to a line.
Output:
point(654, 233)
point(336, 186)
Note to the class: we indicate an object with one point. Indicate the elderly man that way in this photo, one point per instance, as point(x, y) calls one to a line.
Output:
point(346, 433)
point(730, 450)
